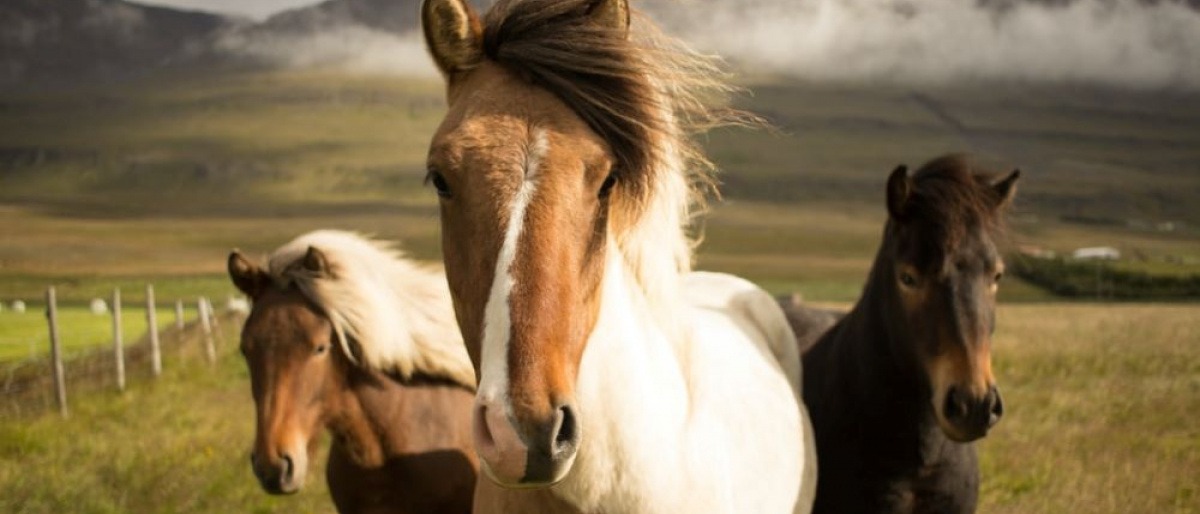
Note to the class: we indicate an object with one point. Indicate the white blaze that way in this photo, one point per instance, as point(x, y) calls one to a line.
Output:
point(497, 323)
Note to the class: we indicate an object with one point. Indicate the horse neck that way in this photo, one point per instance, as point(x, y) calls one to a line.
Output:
point(865, 343)
point(363, 414)
point(650, 398)
point(656, 249)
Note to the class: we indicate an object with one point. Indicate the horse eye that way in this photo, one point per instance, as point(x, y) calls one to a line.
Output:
point(908, 279)
point(439, 182)
point(320, 349)
point(606, 187)
point(999, 276)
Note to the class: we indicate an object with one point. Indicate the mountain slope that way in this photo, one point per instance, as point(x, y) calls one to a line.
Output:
point(44, 40)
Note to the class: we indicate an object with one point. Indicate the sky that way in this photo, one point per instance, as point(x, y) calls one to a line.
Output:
point(257, 9)
point(1126, 43)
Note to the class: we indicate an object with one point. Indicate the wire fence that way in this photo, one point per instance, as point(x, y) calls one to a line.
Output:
point(32, 383)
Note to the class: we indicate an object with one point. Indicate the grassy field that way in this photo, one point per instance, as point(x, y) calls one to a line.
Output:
point(175, 444)
point(26, 335)
point(155, 182)
point(1102, 410)
point(160, 178)
point(1103, 416)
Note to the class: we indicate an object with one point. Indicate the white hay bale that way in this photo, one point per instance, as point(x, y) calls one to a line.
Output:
point(237, 304)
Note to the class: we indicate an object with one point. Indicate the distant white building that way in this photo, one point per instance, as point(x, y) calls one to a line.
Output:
point(1036, 251)
point(1096, 253)
point(17, 306)
point(98, 306)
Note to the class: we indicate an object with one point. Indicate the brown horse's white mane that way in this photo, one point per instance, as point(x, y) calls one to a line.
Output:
point(397, 312)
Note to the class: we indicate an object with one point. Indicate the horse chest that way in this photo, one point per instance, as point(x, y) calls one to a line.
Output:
point(430, 482)
point(888, 460)
point(903, 477)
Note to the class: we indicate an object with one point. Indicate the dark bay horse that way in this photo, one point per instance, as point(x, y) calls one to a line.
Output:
point(808, 322)
point(344, 334)
point(900, 386)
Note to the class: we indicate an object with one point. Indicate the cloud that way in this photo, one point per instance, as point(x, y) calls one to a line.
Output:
point(347, 47)
point(1125, 43)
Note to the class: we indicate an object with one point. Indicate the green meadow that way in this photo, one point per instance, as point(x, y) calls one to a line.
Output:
point(1101, 417)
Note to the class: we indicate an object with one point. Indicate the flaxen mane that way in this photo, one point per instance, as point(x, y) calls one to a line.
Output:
point(646, 95)
point(395, 313)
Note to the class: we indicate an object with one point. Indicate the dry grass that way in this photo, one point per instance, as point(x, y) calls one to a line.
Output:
point(1103, 410)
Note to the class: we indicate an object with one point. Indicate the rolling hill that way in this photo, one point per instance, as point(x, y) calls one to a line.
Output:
point(97, 40)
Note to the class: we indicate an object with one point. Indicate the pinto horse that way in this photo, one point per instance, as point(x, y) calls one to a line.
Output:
point(346, 334)
point(612, 378)
point(901, 385)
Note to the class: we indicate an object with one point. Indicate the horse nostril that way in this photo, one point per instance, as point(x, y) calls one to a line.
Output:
point(288, 469)
point(997, 406)
point(566, 430)
point(483, 433)
point(954, 407)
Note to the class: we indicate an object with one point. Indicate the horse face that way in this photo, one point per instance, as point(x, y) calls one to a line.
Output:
point(286, 344)
point(946, 279)
point(524, 187)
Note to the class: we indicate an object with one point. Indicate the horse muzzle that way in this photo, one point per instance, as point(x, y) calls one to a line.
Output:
point(283, 474)
point(525, 456)
point(966, 417)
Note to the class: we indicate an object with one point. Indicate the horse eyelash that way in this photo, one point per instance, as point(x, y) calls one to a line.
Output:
point(433, 176)
point(609, 183)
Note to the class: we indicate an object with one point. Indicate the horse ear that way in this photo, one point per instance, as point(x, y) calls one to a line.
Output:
point(613, 14)
point(315, 262)
point(898, 189)
point(1006, 188)
point(453, 35)
point(248, 278)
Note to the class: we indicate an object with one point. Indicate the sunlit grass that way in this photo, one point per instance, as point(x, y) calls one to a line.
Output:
point(1102, 410)
point(27, 335)
point(1102, 416)
point(175, 444)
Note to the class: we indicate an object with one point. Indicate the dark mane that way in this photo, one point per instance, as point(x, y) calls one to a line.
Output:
point(952, 196)
point(642, 92)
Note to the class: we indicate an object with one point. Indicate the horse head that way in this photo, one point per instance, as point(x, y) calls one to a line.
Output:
point(941, 265)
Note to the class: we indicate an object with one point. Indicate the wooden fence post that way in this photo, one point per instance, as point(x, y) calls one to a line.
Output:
point(212, 314)
point(179, 315)
point(60, 386)
point(118, 339)
point(155, 352)
point(204, 310)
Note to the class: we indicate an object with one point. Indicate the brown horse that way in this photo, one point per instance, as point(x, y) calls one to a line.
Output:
point(347, 335)
point(900, 386)
point(613, 379)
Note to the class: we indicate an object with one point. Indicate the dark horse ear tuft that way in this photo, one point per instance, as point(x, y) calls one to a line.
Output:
point(315, 262)
point(453, 35)
point(248, 278)
point(611, 14)
point(898, 190)
point(1006, 188)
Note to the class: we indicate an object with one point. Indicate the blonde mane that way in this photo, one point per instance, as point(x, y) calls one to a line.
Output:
point(647, 95)
point(396, 312)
